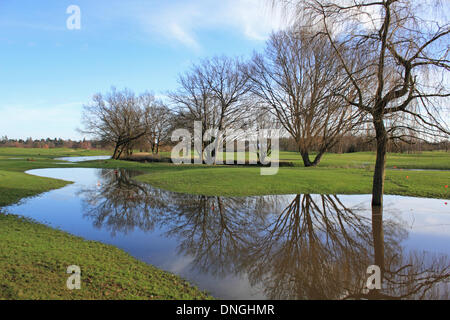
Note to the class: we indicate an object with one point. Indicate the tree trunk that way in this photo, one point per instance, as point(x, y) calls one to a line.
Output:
point(378, 246)
point(213, 152)
point(306, 161)
point(115, 152)
point(153, 146)
point(318, 158)
point(120, 152)
point(378, 236)
point(380, 164)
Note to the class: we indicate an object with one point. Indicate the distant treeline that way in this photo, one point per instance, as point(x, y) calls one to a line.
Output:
point(350, 143)
point(53, 143)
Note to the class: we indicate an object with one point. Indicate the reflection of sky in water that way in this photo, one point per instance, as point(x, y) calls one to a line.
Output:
point(427, 222)
point(81, 159)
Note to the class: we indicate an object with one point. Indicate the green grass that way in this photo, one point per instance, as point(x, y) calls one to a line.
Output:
point(349, 173)
point(337, 174)
point(235, 181)
point(16, 185)
point(437, 160)
point(34, 259)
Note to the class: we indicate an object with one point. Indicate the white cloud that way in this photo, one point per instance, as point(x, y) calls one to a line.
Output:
point(255, 18)
point(183, 36)
point(183, 20)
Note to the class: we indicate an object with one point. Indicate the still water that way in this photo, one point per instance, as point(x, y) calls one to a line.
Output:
point(82, 159)
point(264, 247)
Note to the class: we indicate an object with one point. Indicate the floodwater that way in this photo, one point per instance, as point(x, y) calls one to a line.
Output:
point(262, 247)
point(82, 159)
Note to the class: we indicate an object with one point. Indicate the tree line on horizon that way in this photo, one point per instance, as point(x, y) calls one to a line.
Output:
point(50, 143)
point(348, 144)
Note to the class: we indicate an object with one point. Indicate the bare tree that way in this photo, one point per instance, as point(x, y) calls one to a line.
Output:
point(212, 92)
point(261, 127)
point(298, 77)
point(194, 102)
point(158, 119)
point(116, 118)
point(228, 86)
point(399, 68)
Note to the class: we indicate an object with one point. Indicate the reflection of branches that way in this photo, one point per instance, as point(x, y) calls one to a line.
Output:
point(319, 249)
point(410, 275)
point(313, 247)
point(121, 204)
point(418, 275)
point(215, 231)
point(311, 250)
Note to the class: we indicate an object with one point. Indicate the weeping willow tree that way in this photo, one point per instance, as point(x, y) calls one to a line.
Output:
point(398, 66)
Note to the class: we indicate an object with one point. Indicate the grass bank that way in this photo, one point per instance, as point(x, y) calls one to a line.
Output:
point(349, 173)
point(34, 258)
point(436, 160)
point(235, 181)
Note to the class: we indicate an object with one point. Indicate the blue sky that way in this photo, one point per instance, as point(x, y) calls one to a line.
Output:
point(48, 72)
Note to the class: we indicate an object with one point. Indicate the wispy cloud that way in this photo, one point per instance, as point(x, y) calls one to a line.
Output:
point(182, 21)
point(183, 36)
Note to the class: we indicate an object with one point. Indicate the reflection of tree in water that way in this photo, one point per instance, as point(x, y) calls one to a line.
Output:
point(316, 248)
point(311, 250)
point(216, 231)
point(319, 249)
point(417, 275)
point(407, 274)
point(120, 204)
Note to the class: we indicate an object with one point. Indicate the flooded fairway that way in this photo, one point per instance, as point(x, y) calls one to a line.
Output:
point(262, 247)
